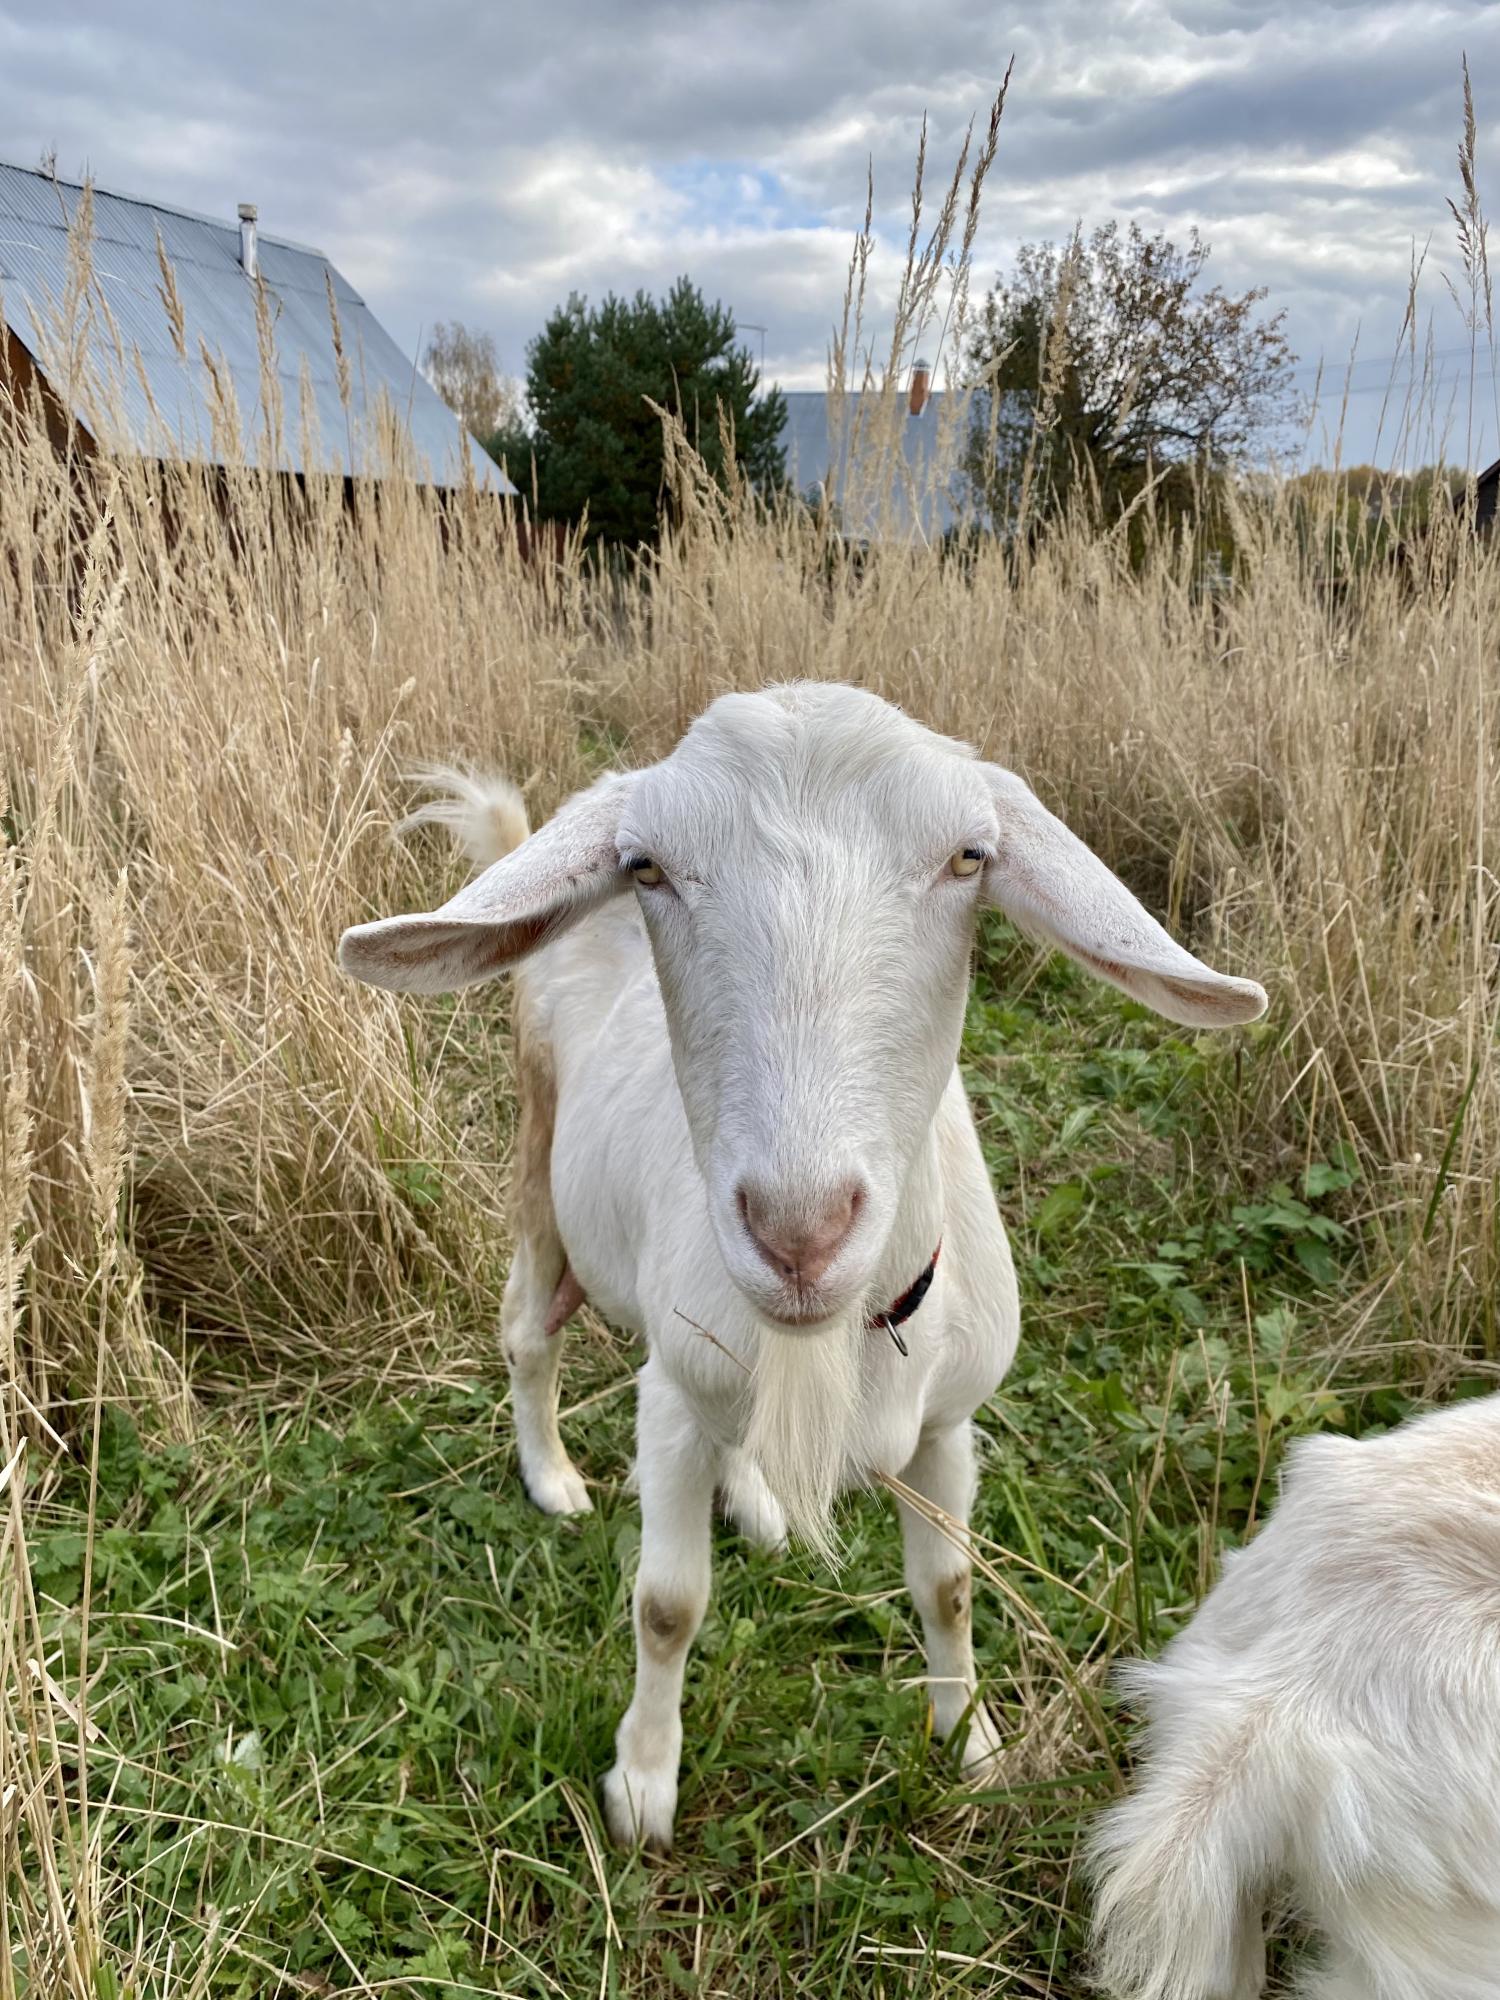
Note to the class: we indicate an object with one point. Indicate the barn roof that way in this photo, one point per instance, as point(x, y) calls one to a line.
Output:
point(137, 393)
point(892, 475)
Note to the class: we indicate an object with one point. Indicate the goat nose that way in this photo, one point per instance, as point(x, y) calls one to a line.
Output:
point(799, 1239)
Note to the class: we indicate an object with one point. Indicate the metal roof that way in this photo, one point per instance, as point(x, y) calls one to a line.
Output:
point(892, 475)
point(124, 378)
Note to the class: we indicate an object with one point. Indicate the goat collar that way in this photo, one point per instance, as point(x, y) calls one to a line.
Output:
point(895, 1316)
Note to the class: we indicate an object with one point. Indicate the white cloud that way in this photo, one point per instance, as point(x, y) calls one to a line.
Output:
point(481, 163)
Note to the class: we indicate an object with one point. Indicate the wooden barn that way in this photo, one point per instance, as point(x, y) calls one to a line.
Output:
point(1486, 491)
point(886, 461)
point(149, 331)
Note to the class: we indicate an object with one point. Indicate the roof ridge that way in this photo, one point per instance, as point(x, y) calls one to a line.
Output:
point(873, 390)
point(162, 208)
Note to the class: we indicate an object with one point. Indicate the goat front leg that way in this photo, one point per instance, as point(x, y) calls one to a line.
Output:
point(939, 1577)
point(675, 1468)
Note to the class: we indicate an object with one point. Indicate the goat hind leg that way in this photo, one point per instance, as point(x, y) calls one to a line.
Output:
point(749, 1502)
point(1249, 1981)
point(540, 1293)
point(534, 1357)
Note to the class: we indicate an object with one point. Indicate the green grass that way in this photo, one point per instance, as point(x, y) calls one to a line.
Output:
point(355, 1695)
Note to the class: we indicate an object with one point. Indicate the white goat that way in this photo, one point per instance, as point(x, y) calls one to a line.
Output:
point(740, 1108)
point(1328, 1726)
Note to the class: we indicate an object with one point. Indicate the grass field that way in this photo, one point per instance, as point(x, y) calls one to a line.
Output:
point(297, 1695)
point(356, 1692)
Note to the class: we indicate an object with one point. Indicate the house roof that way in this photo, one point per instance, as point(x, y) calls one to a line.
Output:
point(893, 476)
point(137, 394)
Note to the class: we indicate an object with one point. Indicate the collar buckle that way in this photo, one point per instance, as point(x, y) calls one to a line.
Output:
point(895, 1316)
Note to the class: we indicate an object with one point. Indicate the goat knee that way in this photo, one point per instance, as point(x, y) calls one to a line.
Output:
point(665, 1624)
point(949, 1603)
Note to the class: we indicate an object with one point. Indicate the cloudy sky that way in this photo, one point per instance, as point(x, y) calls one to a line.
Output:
point(480, 162)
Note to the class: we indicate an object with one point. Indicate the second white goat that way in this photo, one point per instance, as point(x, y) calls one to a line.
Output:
point(1327, 1730)
point(744, 980)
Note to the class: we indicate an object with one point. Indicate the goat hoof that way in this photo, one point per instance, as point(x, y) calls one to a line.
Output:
point(557, 1489)
point(982, 1747)
point(639, 1807)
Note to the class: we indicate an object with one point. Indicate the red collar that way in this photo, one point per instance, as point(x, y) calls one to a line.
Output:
point(898, 1314)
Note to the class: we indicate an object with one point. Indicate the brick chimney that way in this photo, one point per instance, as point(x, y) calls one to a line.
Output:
point(921, 387)
point(249, 258)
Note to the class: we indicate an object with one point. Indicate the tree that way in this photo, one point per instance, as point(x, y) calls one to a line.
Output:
point(1362, 514)
point(1106, 359)
point(595, 442)
point(463, 367)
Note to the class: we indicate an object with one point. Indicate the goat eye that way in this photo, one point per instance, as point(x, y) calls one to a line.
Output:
point(646, 873)
point(967, 861)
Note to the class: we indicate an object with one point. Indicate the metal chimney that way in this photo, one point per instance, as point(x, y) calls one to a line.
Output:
point(921, 384)
point(249, 259)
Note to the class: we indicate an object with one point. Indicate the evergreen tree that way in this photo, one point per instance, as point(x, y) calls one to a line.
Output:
point(593, 441)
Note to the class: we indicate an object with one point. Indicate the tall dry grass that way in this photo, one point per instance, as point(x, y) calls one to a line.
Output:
point(211, 685)
point(209, 699)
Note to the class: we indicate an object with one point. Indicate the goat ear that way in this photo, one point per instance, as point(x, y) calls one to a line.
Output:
point(1051, 885)
point(559, 873)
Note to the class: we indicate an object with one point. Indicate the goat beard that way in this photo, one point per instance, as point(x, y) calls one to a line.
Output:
point(802, 1423)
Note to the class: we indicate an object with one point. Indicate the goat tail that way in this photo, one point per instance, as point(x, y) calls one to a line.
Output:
point(485, 815)
point(1181, 1867)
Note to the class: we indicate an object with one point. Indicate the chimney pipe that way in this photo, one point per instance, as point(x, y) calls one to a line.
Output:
point(249, 258)
point(921, 384)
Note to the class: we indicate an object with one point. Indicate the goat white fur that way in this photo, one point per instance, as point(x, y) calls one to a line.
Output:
point(740, 1107)
point(1328, 1726)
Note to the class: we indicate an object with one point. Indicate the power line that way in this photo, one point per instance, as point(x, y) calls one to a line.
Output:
point(1404, 360)
point(1336, 392)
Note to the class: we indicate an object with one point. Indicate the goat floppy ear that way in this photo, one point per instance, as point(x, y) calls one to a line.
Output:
point(559, 873)
point(1051, 885)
